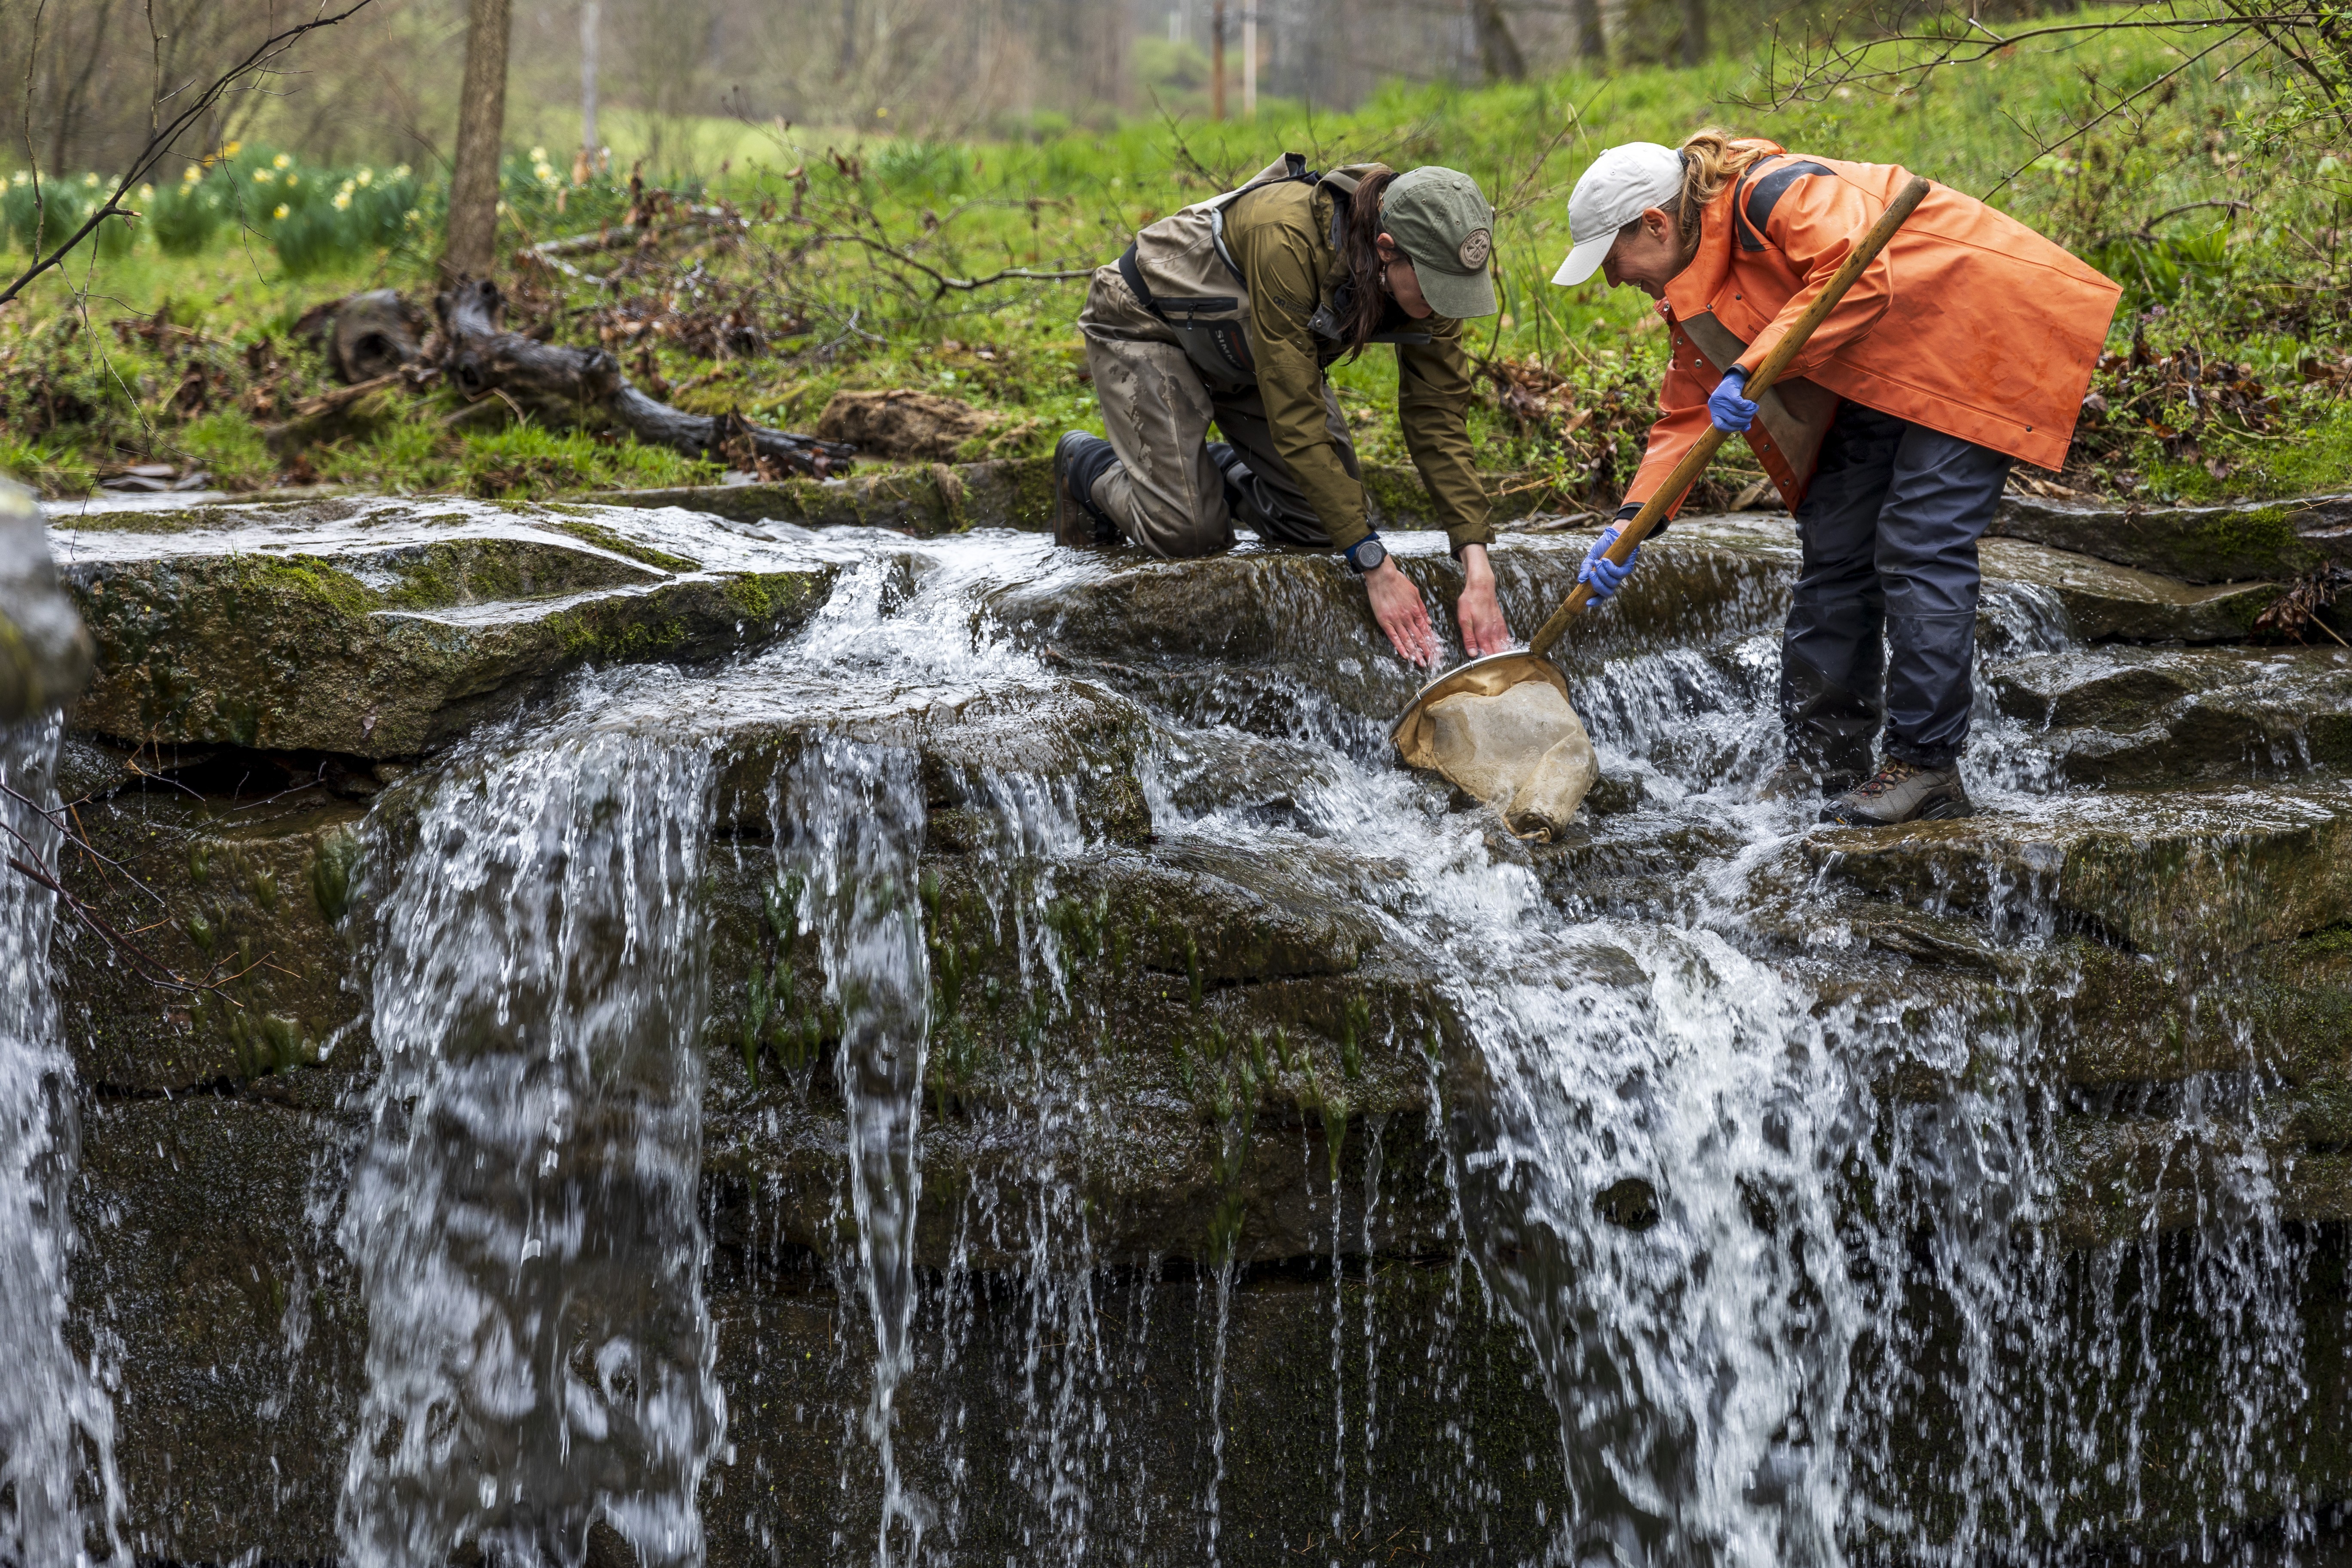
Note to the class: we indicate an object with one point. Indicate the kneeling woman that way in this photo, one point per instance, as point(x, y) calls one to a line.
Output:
point(1233, 310)
point(1968, 343)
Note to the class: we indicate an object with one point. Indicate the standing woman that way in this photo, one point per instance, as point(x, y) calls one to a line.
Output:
point(1967, 344)
point(1234, 309)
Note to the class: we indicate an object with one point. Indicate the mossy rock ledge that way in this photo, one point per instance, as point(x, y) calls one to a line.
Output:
point(379, 630)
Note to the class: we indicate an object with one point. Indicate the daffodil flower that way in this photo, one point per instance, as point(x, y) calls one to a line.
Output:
point(280, 213)
point(280, 162)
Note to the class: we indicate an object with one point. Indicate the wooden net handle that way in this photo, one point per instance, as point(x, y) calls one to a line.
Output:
point(1694, 462)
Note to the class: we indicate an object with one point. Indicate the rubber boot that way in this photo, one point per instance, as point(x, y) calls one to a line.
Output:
point(1079, 461)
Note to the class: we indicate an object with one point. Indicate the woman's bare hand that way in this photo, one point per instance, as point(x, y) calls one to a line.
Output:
point(1478, 611)
point(1396, 605)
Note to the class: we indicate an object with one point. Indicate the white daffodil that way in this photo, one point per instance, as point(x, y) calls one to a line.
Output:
point(342, 200)
point(281, 160)
point(400, 171)
point(366, 176)
point(264, 177)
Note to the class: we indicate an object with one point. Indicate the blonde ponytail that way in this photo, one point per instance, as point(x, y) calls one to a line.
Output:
point(1713, 160)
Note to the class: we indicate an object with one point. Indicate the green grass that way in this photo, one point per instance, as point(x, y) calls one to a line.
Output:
point(84, 393)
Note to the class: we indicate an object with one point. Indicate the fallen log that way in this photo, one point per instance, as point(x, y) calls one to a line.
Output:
point(587, 386)
point(684, 221)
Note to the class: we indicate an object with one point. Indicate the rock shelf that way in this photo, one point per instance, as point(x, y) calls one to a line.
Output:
point(1165, 965)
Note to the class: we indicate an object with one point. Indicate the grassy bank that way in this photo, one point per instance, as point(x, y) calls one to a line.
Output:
point(2228, 373)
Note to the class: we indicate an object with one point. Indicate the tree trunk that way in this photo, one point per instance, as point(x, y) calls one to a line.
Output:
point(472, 246)
point(1591, 44)
point(1694, 32)
point(1498, 52)
point(588, 19)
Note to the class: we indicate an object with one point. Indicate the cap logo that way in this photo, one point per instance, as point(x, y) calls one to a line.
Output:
point(1475, 250)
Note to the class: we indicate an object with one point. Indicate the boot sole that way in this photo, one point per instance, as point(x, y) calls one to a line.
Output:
point(1940, 810)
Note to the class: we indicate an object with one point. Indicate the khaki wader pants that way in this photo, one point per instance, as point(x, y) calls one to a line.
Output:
point(1165, 491)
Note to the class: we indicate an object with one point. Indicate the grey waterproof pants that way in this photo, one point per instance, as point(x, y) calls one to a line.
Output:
point(1166, 492)
point(1889, 527)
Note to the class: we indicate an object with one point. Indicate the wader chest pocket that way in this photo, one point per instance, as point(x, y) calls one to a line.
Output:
point(1215, 333)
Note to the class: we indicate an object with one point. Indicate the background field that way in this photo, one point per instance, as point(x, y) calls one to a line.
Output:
point(2228, 238)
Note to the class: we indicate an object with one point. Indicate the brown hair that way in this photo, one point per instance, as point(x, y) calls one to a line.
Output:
point(1362, 253)
point(1713, 161)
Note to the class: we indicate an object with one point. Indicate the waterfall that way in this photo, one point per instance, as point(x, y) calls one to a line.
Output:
point(59, 1498)
point(1760, 1204)
point(849, 830)
point(523, 1214)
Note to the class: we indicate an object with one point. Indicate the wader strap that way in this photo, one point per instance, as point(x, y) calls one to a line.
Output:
point(1134, 276)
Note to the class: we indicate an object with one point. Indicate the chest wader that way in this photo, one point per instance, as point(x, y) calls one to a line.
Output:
point(1182, 274)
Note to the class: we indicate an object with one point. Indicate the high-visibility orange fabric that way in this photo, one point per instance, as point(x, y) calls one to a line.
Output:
point(1968, 322)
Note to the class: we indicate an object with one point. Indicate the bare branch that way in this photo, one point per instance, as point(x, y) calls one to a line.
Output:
point(160, 140)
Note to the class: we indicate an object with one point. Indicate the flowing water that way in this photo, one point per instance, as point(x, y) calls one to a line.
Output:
point(59, 1500)
point(1782, 1312)
point(523, 1214)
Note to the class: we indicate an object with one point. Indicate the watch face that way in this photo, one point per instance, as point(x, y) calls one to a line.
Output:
point(1368, 555)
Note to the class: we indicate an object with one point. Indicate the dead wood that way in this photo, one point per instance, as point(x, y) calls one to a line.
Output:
point(587, 386)
point(318, 418)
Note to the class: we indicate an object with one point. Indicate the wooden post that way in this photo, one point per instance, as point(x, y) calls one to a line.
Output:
point(1249, 63)
point(588, 142)
point(472, 245)
point(1217, 60)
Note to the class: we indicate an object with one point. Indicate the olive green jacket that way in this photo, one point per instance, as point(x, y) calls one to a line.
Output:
point(1280, 238)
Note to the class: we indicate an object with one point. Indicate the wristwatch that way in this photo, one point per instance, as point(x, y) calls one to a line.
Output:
point(1366, 554)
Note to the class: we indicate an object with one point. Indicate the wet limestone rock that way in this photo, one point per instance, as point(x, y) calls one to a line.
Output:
point(902, 425)
point(45, 654)
point(243, 898)
point(2106, 602)
point(2230, 543)
point(1000, 493)
point(2142, 717)
point(2191, 874)
point(381, 630)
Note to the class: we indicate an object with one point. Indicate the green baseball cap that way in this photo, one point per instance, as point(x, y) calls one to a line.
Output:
point(1443, 222)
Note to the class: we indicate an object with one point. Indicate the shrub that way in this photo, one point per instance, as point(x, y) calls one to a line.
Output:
point(185, 213)
point(35, 223)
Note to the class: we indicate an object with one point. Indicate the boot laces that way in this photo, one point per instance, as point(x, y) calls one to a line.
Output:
point(1887, 778)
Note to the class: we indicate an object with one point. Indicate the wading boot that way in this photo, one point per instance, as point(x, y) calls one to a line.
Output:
point(1078, 461)
point(1234, 471)
point(1902, 791)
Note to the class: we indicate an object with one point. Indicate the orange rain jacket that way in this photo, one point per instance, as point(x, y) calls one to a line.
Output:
point(1967, 323)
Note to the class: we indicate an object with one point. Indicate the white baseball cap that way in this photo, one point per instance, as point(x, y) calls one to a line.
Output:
point(1615, 188)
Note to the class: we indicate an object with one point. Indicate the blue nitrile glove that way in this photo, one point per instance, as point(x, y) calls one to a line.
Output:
point(1604, 574)
point(1727, 407)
